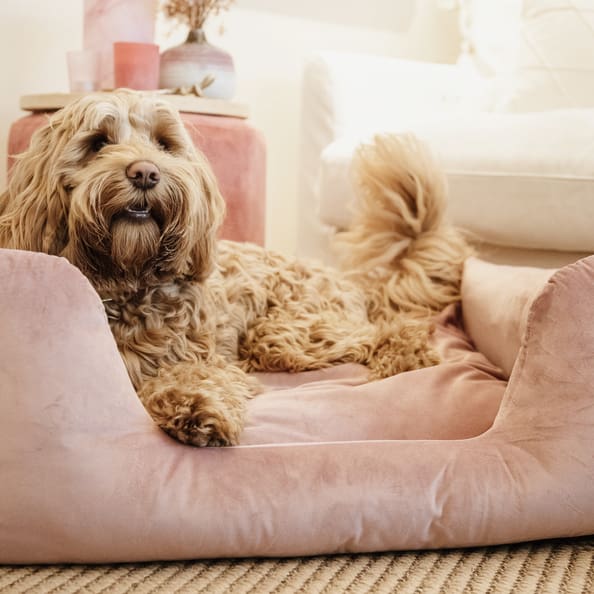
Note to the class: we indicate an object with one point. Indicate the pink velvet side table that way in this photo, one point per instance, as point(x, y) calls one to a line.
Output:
point(236, 151)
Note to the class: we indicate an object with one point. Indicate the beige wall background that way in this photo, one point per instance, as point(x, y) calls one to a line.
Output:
point(269, 40)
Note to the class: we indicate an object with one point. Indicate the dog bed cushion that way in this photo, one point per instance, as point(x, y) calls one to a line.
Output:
point(446, 456)
point(497, 300)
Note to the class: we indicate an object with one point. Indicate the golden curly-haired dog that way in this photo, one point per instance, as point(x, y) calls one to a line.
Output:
point(114, 184)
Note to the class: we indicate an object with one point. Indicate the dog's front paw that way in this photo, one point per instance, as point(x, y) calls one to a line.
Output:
point(195, 419)
point(198, 405)
point(202, 429)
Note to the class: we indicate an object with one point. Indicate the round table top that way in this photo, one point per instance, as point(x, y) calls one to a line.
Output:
point(184, 103)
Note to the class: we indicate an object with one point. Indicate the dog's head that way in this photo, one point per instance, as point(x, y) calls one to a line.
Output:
point(114, 183)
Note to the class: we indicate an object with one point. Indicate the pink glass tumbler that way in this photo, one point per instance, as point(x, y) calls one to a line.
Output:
point(136, 65)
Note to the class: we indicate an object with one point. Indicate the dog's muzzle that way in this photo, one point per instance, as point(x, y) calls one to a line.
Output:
point(143, 175)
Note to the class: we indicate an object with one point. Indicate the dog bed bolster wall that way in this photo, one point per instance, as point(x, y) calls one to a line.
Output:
point(452, 455)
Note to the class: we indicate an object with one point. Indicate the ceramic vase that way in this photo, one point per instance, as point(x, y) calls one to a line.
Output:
point(189, 63)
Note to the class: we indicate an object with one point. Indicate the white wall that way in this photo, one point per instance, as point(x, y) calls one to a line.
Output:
point(269, 40)
point(34, 38)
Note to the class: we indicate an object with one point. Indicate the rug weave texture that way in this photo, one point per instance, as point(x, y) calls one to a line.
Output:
point(559, 567)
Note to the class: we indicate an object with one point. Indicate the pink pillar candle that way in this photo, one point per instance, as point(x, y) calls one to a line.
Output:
point(136, 65)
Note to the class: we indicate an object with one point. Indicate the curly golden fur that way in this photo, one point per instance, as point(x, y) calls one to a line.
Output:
point(114, 184)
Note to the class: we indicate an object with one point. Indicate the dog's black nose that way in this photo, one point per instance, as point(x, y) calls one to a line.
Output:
point(143, 174)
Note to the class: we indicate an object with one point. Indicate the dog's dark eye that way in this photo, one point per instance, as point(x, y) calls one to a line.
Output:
point(98, 142)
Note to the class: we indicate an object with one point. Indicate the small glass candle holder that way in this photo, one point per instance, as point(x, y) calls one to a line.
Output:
point(84, 71)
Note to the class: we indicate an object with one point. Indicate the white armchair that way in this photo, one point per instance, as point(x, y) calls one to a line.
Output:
point(521, 179)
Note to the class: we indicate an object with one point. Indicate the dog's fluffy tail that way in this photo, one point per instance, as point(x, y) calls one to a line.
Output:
point(399, 245)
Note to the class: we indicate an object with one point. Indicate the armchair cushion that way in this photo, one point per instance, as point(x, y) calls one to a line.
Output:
point(518, 180)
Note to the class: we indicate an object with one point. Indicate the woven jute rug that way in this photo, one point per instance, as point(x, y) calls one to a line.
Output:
point(559, 567)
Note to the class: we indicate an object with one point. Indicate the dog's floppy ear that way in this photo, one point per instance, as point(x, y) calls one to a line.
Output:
point(207, 221)
point(34, 207)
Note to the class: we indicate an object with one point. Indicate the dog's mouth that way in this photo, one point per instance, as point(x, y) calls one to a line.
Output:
point(137, 213)
point(141, 212)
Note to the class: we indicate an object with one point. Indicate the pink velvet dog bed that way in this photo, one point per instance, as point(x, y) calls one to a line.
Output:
point(452, 455)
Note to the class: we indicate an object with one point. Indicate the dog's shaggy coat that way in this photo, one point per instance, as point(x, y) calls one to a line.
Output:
point(114, 184)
